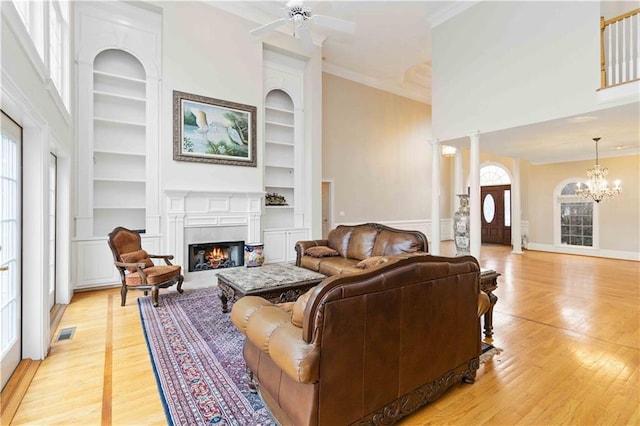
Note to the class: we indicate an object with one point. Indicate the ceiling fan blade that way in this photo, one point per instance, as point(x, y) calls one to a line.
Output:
point(305, 38)
point(341, 25)
point(270, 26)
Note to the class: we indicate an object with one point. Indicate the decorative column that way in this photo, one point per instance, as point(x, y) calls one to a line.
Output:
point(435, 197)
point(458, 184)
point(474, 196)
point(175, 225)
point(516, 220)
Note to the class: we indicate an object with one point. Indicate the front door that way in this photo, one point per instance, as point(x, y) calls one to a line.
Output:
point(10, 248)
point(496, 214)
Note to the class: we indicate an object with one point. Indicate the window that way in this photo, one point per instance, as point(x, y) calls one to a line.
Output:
point(493, 175)
point(576, 217)
point(58, 40)
point(45, 30)
point(24, 10)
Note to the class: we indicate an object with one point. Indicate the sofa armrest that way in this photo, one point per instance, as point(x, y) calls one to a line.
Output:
point(269, 328)
point(301, 246)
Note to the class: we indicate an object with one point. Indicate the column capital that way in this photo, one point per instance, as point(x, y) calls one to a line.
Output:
point(475, 136)
point(435, 142)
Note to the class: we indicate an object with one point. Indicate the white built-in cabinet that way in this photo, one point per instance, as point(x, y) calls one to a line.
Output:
point(118, 65)
point(284, 173)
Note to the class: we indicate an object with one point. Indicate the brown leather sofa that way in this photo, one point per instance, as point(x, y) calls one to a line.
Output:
point(366, 348)
point(346, 246)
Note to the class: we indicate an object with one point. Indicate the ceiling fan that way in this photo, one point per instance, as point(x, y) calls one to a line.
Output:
point(301, 16)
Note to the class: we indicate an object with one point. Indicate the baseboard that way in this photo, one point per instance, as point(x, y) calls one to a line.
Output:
point(16, 389)
point(56, 317)
point(611, 254)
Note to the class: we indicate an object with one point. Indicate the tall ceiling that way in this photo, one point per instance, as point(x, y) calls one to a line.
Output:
point(391, 50)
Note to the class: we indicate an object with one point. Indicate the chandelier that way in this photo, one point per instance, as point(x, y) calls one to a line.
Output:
point(597, 188)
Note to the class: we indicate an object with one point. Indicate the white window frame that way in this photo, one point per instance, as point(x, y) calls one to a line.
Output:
point(483, 174)
point(34, 33)
point(60, 77)
point(558, 198)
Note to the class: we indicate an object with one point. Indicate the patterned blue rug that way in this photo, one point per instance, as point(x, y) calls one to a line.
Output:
point(196, 353)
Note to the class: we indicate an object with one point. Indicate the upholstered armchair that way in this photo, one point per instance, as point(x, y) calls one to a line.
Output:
point(137, 270)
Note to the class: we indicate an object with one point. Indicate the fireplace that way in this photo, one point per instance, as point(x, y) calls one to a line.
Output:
point(208, 256)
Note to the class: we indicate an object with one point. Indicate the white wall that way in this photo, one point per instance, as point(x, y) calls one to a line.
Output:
point(376, 150)
point(29, 98)
point(209, 52)
point(619, 217)
point(505, 64)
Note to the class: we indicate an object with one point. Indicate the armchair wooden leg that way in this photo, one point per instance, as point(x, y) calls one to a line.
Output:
point(123, 295)
point(180, 290)
point(154, 296)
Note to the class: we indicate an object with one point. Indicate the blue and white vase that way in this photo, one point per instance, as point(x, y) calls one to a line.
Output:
point(253, 255)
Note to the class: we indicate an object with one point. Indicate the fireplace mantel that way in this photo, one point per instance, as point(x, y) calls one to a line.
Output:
point(207, 209)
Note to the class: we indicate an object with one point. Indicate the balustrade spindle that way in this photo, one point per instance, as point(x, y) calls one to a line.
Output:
point(616, 59)
point(620, 49)
point(631, 61)
point(638, 45)
point(624, 51)
point(610, 52)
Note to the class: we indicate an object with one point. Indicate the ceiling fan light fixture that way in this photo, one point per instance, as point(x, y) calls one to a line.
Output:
point(302, 18)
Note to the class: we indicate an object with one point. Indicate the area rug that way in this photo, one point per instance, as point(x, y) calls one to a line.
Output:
point(196, 353)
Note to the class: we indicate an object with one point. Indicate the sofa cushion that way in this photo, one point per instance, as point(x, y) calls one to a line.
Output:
point(339, 239)
point(244, 308)
point(388, 242)
point(361, 242)
point(338, 265)
point(262, 324)
point(138, 256)
point(321, 251)
point(370, 262)
point(297, 313)
point(312, 263)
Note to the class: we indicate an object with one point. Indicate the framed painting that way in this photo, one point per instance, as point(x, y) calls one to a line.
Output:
point(207, 130)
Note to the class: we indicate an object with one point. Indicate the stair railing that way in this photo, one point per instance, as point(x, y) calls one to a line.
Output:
point(620, 49)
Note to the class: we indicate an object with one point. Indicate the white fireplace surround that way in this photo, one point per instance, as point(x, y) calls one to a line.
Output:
point(210, 209)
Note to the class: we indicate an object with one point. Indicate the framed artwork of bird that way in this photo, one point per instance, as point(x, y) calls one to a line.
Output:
point(208, 130)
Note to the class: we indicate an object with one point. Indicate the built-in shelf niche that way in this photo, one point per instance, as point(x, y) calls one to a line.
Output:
point(119, 148)
point(279, 157)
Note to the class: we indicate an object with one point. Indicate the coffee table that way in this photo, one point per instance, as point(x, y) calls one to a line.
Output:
point(488, 283)
point(276, 282)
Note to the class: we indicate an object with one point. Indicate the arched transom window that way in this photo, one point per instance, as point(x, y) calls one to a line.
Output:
point(493, 175)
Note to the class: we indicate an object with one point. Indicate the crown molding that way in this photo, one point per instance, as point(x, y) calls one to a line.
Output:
point(397, 89)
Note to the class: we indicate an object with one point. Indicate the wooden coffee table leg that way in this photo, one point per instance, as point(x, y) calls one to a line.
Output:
point(226, 293)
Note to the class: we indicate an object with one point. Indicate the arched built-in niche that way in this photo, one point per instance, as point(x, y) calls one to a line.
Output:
point(279, 160)
point(119, 142)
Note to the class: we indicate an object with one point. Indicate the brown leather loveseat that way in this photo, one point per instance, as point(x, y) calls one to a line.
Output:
point(348, 248)
point(366, 348)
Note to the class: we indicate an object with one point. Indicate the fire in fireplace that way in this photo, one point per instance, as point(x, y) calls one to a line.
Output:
point(206, 256)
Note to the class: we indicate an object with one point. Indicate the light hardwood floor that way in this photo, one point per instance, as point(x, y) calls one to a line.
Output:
point(568, 327)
